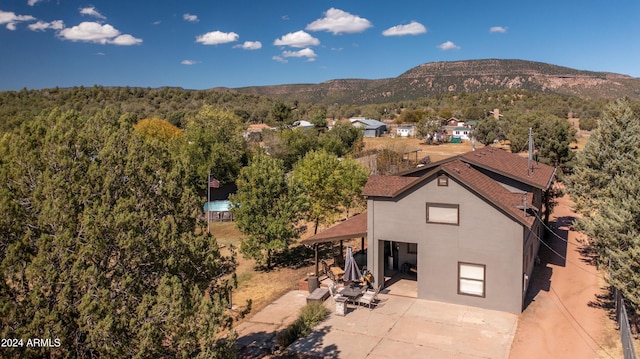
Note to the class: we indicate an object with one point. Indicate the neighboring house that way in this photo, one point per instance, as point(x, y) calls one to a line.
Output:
point(372, 128)
point(255, 129)
point(406, 131)
point(303, 124)
point(467, 226)
point(462, 133)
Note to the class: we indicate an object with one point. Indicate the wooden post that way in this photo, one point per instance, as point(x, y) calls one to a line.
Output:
point(315, 248)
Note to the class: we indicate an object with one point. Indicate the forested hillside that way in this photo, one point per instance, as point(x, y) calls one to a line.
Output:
point(174, 104)
point(473, 76)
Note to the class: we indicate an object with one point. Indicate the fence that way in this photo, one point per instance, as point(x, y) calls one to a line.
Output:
point(625, 328)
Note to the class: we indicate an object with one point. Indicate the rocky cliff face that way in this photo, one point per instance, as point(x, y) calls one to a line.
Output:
point(462, 76)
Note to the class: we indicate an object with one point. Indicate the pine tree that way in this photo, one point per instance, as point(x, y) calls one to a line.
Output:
point(605, 188)
point(98, 244)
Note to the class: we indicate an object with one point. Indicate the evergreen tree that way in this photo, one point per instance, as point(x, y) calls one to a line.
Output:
point(606, 191)
point(98, 245)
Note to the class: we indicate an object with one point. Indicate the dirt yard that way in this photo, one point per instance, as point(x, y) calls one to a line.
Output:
point(568, 315)
point(436, 152)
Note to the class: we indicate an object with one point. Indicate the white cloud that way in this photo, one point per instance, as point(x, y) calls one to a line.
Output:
point(10, 19)
point(91, 11)
point(217, 37)
point(280, 59)
point(308, 53)
point(33, 2)
point(189, 62)
point(125, 40)
point(42, 26)
point(190, 18)
point(157, 22)
point(445, 46)
point(249, 45)
point(337, 21)
point(98, 33)
point(412, 28)
point(297, 39)
point(499, 29)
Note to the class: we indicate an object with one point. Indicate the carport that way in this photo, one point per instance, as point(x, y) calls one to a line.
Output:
point(354, 227)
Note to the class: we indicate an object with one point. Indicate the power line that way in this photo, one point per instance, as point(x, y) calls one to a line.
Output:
point(566, 259)
point(562, 303)
point(579, 325)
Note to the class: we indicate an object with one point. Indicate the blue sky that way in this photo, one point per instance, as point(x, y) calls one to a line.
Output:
point(199, 44)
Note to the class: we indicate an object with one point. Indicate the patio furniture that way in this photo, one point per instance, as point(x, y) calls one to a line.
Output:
point(370, 297)
point(352, 293)
point(318, 295)
point(334, 273)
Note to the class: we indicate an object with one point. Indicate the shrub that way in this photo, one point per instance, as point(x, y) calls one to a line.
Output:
point(310, 315)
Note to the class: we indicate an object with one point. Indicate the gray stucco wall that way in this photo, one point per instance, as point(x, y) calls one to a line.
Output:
point(484, 236)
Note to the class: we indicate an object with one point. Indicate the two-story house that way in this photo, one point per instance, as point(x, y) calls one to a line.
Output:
point(468, 226)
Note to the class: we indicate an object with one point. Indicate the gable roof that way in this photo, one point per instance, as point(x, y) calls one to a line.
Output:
point(369, 123)
point(387, 186)
point(492, 191)
point(467, 169)
point(512, 166)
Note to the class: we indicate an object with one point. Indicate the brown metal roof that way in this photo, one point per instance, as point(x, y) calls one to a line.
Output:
point(354, 227)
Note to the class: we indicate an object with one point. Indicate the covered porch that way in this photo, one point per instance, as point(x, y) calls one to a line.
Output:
point(350, 229)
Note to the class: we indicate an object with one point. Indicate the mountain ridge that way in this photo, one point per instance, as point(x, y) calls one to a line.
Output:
point(434, 78)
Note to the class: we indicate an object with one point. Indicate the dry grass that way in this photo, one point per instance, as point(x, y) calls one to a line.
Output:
point(436, 152)
point(259, 286)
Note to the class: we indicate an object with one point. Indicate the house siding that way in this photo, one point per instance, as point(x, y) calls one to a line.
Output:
point(485, 235)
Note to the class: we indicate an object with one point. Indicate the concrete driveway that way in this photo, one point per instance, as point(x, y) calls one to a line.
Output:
point(401, 327)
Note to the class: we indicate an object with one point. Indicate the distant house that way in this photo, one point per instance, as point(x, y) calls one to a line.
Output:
point(406, 131)
point(254, 130)
point(468, 227)
point(371, 128)
point(462, 133)
point(303, 124)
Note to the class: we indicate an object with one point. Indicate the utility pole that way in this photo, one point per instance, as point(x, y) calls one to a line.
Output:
point(530, 155)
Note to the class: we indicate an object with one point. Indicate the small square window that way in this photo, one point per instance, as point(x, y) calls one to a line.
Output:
point(443, 180)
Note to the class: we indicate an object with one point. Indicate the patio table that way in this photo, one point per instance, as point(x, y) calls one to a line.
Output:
point(352, 293)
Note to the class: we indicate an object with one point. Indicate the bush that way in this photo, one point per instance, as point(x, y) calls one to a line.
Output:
point(310, 315)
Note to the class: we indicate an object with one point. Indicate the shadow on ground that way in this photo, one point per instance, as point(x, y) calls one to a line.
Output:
point(313, 344)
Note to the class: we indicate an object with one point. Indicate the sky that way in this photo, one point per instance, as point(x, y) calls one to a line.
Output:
point(201, 44)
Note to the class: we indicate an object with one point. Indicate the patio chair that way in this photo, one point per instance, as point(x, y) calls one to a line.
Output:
point(334, 292)
point(369, 297)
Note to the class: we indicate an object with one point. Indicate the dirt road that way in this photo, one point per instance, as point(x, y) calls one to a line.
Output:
point(565, 317)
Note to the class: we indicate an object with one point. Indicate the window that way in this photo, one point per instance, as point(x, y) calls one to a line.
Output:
point(412, 248)
point(443, 213)
point(443, 180)
point(471, 279)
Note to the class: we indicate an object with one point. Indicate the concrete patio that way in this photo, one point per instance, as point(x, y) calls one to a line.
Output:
point(401, 327)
